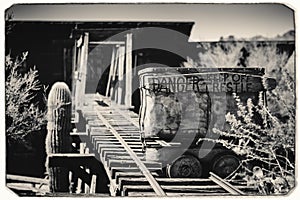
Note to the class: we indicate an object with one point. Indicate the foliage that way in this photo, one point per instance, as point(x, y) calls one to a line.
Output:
point(21, 86)
point(267, 145)
point(220, 55)
point(264, 145)
point(278, 65)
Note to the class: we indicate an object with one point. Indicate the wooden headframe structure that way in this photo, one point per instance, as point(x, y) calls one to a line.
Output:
point(119, 85)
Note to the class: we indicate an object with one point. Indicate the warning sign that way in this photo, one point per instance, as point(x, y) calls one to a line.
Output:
point(217, 82)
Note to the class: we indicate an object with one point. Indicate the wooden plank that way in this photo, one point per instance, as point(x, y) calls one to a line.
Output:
point(121, 70)
point(171, 181)
point(115, 146)
point(123, 157)
point(93, 184)
point(65, 159)
point(25, 187)
point(181, 188)
point(87, 185)
point(172, 194)
point(74, 69)
point(113, 79)
point(134, 143)
point(127, 175)
point(126, 116)
point(111, 70)
point(65, 64)
point(215, 189)
point(128, 84)
point(109, 149)
point(79, 134)
point(163, 143)
point(113, 139)
point(75, 195)
point(82, 174)
point(126, 128)
point(131, 169)
point(76, 77)
point(130, 132)
point(120, 123)
point(131, 163)
point(107, 42)
point(81, 81)
point(227, 186)
point(79, 186)
point(26, 179)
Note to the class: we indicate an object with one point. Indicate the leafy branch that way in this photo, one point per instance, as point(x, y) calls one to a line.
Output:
point(260, 144)
point(23, 116)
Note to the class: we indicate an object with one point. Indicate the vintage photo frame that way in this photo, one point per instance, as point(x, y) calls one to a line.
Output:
point(105, 100)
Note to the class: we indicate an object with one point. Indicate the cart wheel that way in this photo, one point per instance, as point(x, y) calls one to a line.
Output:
point(185, 166)
point(224, 165)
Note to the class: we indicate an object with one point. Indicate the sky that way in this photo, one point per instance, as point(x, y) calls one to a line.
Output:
point(211, 20)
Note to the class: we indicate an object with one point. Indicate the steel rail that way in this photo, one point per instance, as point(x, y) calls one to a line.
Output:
point(115, 107)
point(225, 185)
point(152, 181)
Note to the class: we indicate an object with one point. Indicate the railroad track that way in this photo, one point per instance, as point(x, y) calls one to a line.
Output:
point(114, 134)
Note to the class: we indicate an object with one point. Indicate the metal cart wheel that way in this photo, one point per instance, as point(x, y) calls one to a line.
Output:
point(186, 166)
point(224, 165)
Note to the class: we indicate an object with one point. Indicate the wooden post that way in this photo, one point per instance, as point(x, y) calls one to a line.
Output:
point(74, 68)
point(93, 184)
point(128, 91)
point(113, 79)
point(79, 182)
point(111, 69)
point(86, 186)
point(120, 76)
point(81, 81)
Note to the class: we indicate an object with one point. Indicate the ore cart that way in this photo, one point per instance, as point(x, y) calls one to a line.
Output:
point(181, 105)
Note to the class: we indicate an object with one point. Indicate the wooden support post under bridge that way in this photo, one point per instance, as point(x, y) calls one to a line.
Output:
point(128, 84)
point(81, 72)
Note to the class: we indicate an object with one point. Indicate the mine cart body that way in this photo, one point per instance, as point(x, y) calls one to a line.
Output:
point(181, 105)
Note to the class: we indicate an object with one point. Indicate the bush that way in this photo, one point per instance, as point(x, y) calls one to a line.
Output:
point(23, 116)
point(267, 147)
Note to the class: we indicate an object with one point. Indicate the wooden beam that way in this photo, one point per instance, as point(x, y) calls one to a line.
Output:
point(76, 77)
point(107, 43)
point(82, 70)
point(87, 184)
point(128, 84)
point(74, 68)
point(225, 185)
point(84, 176)
point(75, 195)
point(26, 179)
point(113, 79)
point(111, 69)
point(24, 187)
point(93, 184)
point(71, 159)
point(120, 76)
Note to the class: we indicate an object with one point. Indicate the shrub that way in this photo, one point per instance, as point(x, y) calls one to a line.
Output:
point(267, 148)
point(23, 115)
